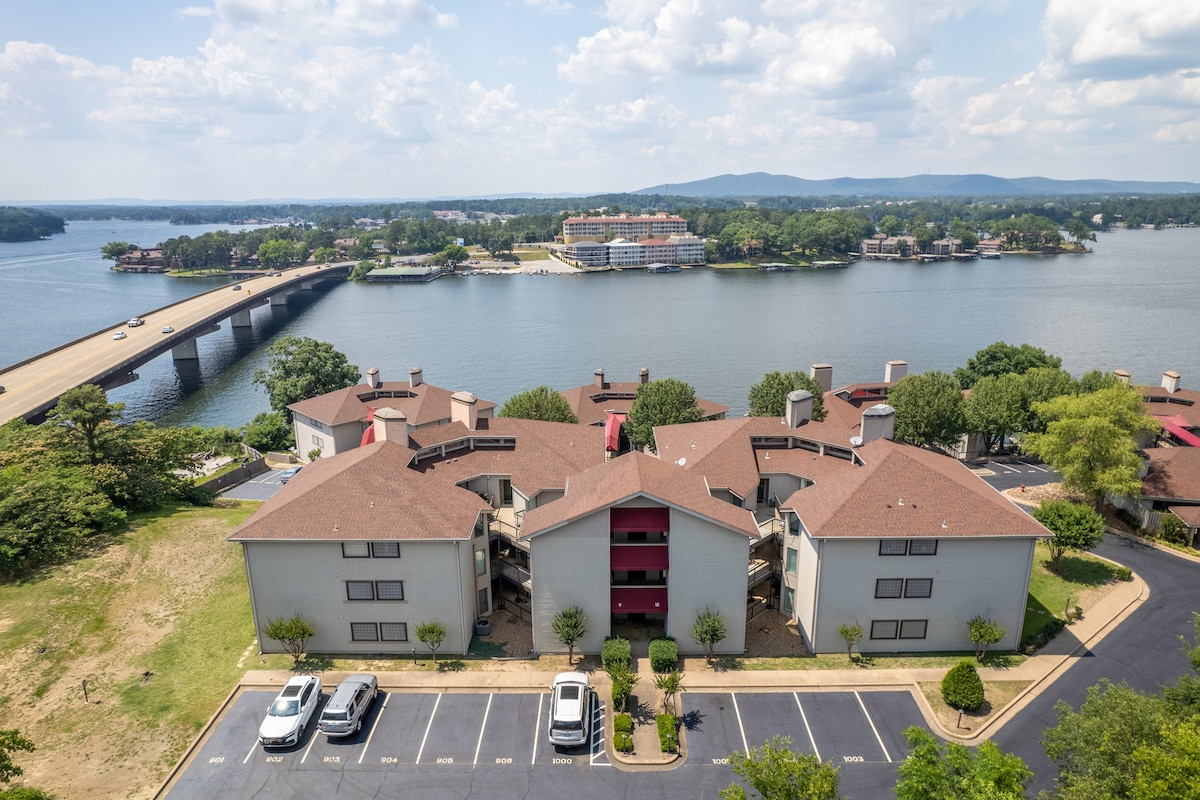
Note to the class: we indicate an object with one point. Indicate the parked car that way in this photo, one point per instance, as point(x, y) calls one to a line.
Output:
point(119, 335)
point(291, 712)
point(570, 709)
point(288, 474)
point(168, 329)
point(343, 714)
point(136, 321)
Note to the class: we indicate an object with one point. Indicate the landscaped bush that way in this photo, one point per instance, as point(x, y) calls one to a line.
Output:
point(1123, 573)
point(962, 687)
point(1172, 529)
point(1039, 639)
point(623, 733)
point(668, 733)
point(664, 654)
point(615, 650)
point(623, 680)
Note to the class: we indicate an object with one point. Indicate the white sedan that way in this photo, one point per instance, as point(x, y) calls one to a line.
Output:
point(290, 713)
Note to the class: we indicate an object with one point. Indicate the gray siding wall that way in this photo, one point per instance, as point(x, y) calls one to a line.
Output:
point(309, 578)
point(808, 567)
point(571, 567)
point(337, 440)
point(988, 577)
point(708, 570)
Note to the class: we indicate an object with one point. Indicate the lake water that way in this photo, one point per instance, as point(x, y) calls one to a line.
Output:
point(1126, 305)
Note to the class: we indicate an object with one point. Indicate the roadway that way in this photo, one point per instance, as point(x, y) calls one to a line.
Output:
point(32, 387)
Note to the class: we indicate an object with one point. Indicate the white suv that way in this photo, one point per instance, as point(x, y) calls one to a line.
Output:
point(290, 713)
point(570, 709)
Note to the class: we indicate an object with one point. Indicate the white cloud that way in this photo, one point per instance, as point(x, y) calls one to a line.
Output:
point(1114, 39)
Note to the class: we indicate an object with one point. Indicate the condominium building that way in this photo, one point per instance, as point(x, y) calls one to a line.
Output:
point(622, 226)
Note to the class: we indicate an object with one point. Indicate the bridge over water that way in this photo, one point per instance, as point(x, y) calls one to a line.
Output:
point(33, 386)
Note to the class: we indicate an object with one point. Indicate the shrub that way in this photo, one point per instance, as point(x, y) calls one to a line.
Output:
point(962, 687)
point(623, 680)
point(1172, 529)
point(615, 650)
point(664, 654)
point(1039, 639)
point(623, 733)
point(668, 733)
point(1123, 573)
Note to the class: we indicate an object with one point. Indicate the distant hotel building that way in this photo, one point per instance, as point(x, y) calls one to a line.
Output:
point(624, 226)
point(625, 241)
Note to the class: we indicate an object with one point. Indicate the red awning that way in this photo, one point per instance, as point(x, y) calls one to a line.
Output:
point(612, 432)
point(642, 600)
point(637, 557)
point(649, 520)
point(1176, 427)
point(369, 434)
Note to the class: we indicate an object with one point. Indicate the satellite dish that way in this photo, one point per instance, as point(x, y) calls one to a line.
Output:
point(681, 462)
point(856, 441)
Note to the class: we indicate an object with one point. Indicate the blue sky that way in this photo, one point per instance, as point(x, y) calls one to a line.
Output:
point(250, 99)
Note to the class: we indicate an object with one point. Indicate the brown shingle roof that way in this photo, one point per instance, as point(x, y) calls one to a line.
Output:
point(422, 405)
point(904, 491)
point(631, 475)
point(1174, 473)
point(1184, 402)
point(365, 493)
point(590, 402)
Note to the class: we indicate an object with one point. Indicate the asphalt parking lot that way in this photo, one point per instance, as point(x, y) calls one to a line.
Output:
point(442, 745)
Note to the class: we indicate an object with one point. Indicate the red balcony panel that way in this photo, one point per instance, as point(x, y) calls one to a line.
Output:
point(641, 600)
point(650, 520)
point(633, 558)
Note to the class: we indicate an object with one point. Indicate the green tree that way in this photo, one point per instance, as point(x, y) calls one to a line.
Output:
point(267, 431)
point(541, 403)
point(276, 253)
point(999, 359)
point(431, 634)
point(1041, 385)
point(929, 409)
point(291, 632)
point(670, 684)
point(890, 225)
point(1165, 772)
point(709, 630)
point(623, 680)
point(114, 250)
point(1079, 231)
point(325, 254)
point(774, 772)
point(300, 368)
point(569, 625)
point(453, 255)
point(852, 635)
point(768, 397)
point(1075, 527)
point(1091, 439)
point(88, 418)
point(664, 402)
point(12, 741)
point(931, 772)
point(962, 688)
point(984, 633)
point(996, 408)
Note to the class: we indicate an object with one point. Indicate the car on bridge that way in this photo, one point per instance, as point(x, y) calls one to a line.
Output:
point(168, 329)
point(119, 335)
point(136, 321)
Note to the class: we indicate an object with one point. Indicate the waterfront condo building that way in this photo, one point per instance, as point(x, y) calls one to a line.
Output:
point(622, 226)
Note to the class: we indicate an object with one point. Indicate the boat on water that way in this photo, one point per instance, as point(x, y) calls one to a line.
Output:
point(777, 267)
point(989, 254)
point(830, 264)
point(662, 268)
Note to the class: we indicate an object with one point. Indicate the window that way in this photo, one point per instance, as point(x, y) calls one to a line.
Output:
point(912, 547)
point(913, 628)
point(922, 547)
point(789, 599)
point(318, 442)
point(480, 563)
point(918, 587)
point(792, 553)
point(893, 547)
point(356, 550)
point(389, 590)
point(385, 549)
point(393, 631)
point(884, 629)
point(363, 632)
point(360, 590)
point(484, 606)
point(889, 587)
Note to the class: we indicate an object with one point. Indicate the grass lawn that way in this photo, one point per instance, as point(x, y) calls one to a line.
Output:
point(536, 254)
point(734, 265)
point(155, 619)
point(1080, 578)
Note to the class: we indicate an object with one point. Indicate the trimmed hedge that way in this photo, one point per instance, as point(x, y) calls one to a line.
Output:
point(623, 733)
point(668, 733)
point(1036, 641)
point(962, 687)
point(664, 654)
point(1123, 573)
point(615, 650)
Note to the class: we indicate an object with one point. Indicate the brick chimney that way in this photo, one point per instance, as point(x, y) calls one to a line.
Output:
point(391, 426)
point(1122, 375)
point(878, 422)
point(893, 371)
point(799, 408)
point(599, 378)
point(1171, 381)
point(643, 375)
point(464, 408)
point(823, 375)
point(414, 377)
point(372, 378)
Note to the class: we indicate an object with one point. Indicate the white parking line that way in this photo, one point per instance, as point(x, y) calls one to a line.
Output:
point(871, 722)
point(371, 735)
point(745, 746)
point(436, 703)
point(252, 749)
point(1005, 467)
point(482, 728)
point(804, 717)
point(312, 740)
point(1036, 468)
point(537, 731)
point(594, 741)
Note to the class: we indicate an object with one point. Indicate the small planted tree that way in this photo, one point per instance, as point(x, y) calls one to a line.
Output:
point(670, 684)
point(962, 688)
point(984, 633)
point(852, 635)
point(569, 625)
point(1075, 527)
point(293, 633)
point(431, 634)
point(709, 631)
point(623, 680)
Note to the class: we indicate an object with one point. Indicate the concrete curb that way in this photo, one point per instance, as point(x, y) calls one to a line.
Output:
point(188, 754)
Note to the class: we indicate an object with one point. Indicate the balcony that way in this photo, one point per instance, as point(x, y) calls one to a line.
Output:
point(758, 571)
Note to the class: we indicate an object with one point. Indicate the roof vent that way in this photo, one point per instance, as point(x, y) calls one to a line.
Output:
point(856, 441)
